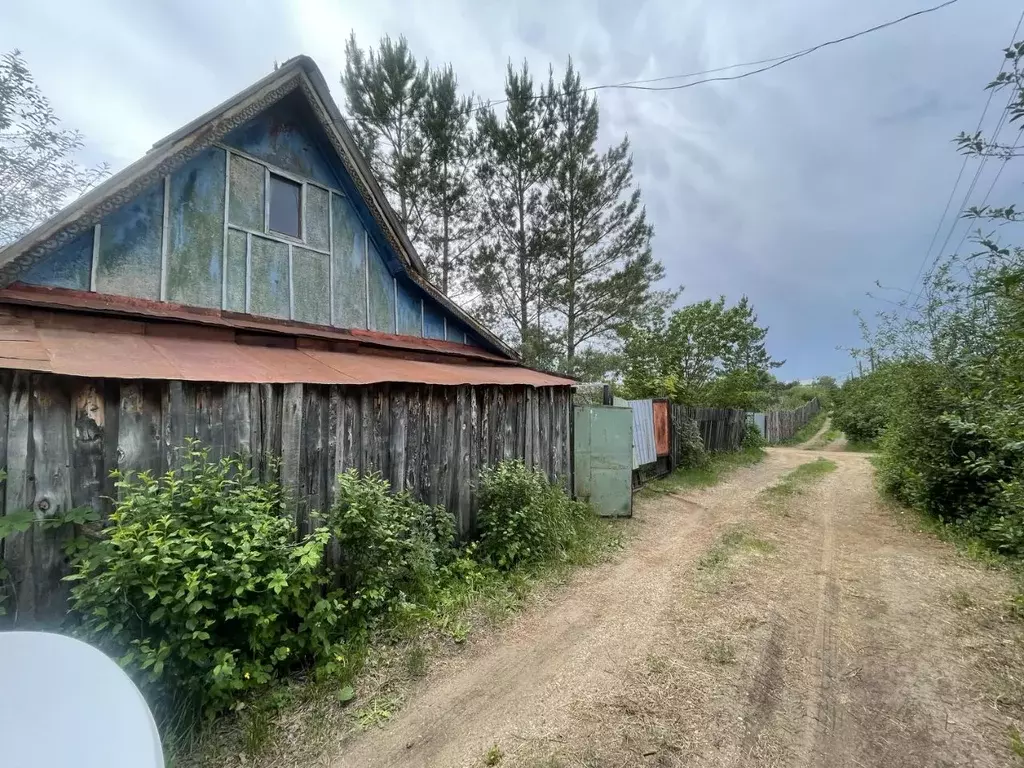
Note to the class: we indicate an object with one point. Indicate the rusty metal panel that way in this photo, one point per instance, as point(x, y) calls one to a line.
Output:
point(644, 451)
point(661, 427)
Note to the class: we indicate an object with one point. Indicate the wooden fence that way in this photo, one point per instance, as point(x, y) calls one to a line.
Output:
point(783, 425)
point(721, 429)
point(60, 437)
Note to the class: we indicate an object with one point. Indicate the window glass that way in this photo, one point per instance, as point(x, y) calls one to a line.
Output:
point(285, 207)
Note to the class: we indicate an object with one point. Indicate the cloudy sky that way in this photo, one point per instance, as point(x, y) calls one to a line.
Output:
point(800, 187)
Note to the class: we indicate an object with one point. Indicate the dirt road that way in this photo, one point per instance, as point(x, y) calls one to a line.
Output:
point(817, 631)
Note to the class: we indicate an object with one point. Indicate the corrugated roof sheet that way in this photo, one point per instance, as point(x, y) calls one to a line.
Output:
point(131, 350)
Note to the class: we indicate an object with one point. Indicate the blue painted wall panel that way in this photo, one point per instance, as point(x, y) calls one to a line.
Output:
point(196, 243)
point(284, 137)
point(130, 241)
point(382, 294)
point(410, 318)
point(433, 321)
point(349, 254)
point(67, 267)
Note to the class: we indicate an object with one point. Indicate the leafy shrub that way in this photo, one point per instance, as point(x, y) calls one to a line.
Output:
point(861, 406)
point(201, 587)
point(523, 518)
point(391, 548)
point(692, 453)
point(752, 437)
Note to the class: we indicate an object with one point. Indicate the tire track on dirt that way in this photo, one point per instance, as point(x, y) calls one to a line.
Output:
point(823, 654)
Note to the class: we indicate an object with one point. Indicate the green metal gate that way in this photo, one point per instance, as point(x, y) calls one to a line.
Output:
point(603, 451)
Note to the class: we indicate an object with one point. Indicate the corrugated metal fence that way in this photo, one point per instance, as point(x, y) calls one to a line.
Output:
point(644, 451)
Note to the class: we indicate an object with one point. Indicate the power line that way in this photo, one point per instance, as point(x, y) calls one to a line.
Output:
point(772, 63)
point(952, 192)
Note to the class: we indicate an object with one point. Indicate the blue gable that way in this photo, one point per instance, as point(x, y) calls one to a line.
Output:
point(203, 238)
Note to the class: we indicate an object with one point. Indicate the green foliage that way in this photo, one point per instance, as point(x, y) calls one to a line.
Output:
point(602, 270)
point(509, 266)
point(702, 354)
point(21, 520)
point(861, 406)
point(38, 170)
point(392, 548)
point(752, 438)
point(523, 518)
point(201, 588)
point(692, 453)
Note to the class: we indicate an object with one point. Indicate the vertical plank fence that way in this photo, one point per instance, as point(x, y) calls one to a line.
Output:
point(60, 437)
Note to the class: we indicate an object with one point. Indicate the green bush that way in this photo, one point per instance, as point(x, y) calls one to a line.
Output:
point(752, 437)
point(523, 518)
point(201, 588)
point(861, 406)
point(692, 453)
point(391, 548)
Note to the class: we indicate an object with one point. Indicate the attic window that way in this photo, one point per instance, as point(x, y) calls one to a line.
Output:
point(285, 210)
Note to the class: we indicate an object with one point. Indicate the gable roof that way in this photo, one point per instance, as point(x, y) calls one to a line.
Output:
point(297, 74)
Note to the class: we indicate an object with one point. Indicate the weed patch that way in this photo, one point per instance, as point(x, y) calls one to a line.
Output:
point(715, 471)
point(735, 540)
point(794, 483)
point(720, 652)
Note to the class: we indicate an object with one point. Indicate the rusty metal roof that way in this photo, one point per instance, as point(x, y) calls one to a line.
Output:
point(123, 349)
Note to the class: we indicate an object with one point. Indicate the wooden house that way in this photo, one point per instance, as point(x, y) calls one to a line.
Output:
point(246, 283)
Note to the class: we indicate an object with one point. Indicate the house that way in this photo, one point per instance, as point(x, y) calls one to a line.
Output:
point(246, 283)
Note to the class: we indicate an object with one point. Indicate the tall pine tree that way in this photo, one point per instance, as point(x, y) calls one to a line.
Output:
point(384, 92)
point(513, 172)
point(449, 200)
point(603, 268)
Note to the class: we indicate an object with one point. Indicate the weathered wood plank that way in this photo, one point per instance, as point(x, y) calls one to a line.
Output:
point(291, 448)
point(413, 477)
point(381, 445)
point(367, 455)
point(255, 429)
point(352, 430)
point(332, 461)
point(398, 414)
point(139, 438)
point(5, 403)
point(463, 464)
point(51, 443)
point(271, 410)
point(313, 488)
point(88, 468)
point(19, 494)
point(210, 418)
point(237, 421)
point(174, 426)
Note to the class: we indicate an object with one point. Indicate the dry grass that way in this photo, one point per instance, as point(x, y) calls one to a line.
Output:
point(676, 704)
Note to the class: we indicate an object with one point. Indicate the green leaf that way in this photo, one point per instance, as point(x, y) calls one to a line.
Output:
point(346, 694)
